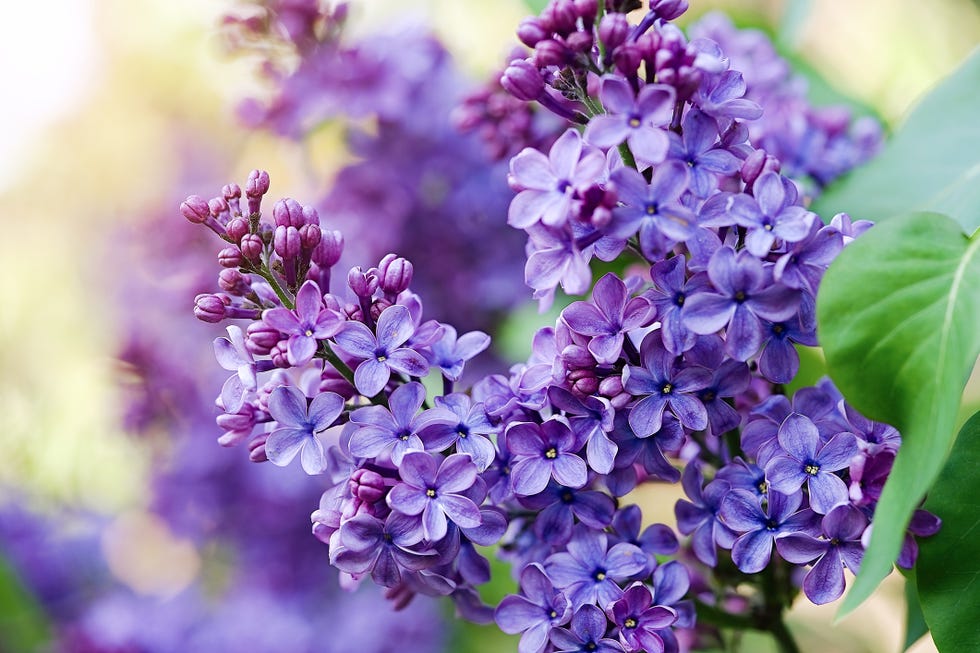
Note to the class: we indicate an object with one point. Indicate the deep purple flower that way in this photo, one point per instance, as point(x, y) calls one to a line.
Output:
point(803, 265)
point(745, 295)
point(469, 433)
point(586, 634)
point(656, 539)
point(872, 436)
point(591, 419)
point(395, 430)
point(808, 459)
point(433, 490)
point(696, 147)
point(740, 511)
point(638, 619)
point(729, 378)
point(380, 548)
point(779, 361)
point(535, 613)
point(654, 209)
point(638, 120)
point(541, 452)
point(671, 582)
point(299, 426)
point(699, 517)
point(923, 524)
point(382, 354)
point(665, 385)
point(772, 213)
point(549, 182)
point(610, 314)
point(234, 356)
point(721, 96)
point(589, 570)
point(450, 353)
point(308, 322)
point(841, 547)
point(558, 507)
point(669, 294)
point(649, 451)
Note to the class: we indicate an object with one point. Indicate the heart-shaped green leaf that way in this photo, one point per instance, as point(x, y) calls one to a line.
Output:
point(931, 164)
point(898, 313)
point(948, 570)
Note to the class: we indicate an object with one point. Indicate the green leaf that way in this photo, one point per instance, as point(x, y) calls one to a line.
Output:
point(915, 622)
point(948, 570)
point(897, 317)
point(931, 164)
point(23, 626)
point(536, 6)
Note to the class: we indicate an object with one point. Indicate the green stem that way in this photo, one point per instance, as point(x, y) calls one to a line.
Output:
point(266, 274)
point(784, 638)
point(627, 155)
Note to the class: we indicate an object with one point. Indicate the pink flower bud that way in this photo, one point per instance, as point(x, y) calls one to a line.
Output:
point(195, 209)
point(309, 236)
point(230, 257)
point(236, 229)
point(362, 283)
point(287, 213)
point(530, 32)
point(261, 338)
point(395, 274)
point(286, 242)
point(329, 249)
point(210, 308)
point(523, 80)
point(234, 282)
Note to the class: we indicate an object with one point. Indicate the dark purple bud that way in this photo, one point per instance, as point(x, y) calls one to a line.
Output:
point(256, 186)
point(587, 9)
point(584, 382)
point(550, 53)
point(210, 308)
point(286, 242)
point(563, 16)
point(577, 356)
point(252, 247)
point(378, 307)
point(278, 355)
point(579, 42)
point(530, 32)
point(230, 257)
point(236, 229)
point(287, 213)
point(611, 386)
point(310, 216)
point(523, 80)
point(328, 251)
point(627, 58)
point(256, 448)
point(195, 209)
point(613, 30)
point(668, 9)
point(362, 283)
point(395, 274)
point(261, 338)
point(367, 485)
point(309, 236)
point(234, 282)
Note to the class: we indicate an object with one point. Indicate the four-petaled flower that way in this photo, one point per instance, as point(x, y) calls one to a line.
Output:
point(433, 490)
point(299, 426)
point(636, 119)
point(383, 353)
point(308, 322)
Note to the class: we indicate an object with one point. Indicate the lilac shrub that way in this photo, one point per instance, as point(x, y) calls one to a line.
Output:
point(667, 167)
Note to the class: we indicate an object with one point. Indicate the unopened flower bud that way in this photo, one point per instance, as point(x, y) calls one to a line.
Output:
point(627, 58)
point(310, 216)
point(756, 164)
point(230, 257)
point(256, 186)
point(278, 355)
point(195, 209)
point(530, 31)
point(210, 308)
point(261, 338)
point(236, 229)
point(613, 30)
point(236, 426)
point(611, 386)
point(362, 283)
point(394, 274)
point(577, 356)
point(231, 191)
point(234, 282)
point(668, 9)
point(587, 9)
point(579, 42)
point(523, 80)
point(286, 242)
point(329, 249)
point(563, 16)
point(256, 448)
point(584, 382)
point(309, 236)
point(367, 485)
point(252, 247)
point(218, 206)
point(377, 308)
point(551, 53)
point(287, 213)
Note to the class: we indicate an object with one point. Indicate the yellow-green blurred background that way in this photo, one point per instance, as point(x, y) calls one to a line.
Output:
point(105, 103)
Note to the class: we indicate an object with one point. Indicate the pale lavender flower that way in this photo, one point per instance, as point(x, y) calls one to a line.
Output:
point(382, 354)
point(540, 609)
point(772, 213)
point(610, 315)
point(308, 322)
point(434, 491)
point(544, 451)
point(586, 634)
point(696, 146)
point(654, 209)
point(300, 425)
point(234, 356)
point(469, 434)
point(639, 120)
point(589, 570)
point(450, 353)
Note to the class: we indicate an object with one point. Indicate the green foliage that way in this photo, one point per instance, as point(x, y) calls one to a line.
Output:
point(948, 570)
point(931, 164)
point(897, 315)
point(23, 626)
point(535, 6)
point(915, 621)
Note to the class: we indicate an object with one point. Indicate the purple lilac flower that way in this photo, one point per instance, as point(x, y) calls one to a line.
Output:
point(554, 258)
point(609, 315)
point(638, 120)
point(841, 547)
point(558, 507)
point(740, 511)
point(544, 451)
point(664, 385)
point(382, 354)
point(923, 524)
point(721, 96)
point(803, 265)
point(729, 378)
point(469, 434)
point(433, 490)
point(810, 460)
point(234, 356)
point(648, 451)
point(308, 322)
point(654, 209)
point(671, 582)
point(591, 419)
point(868, 473)
point(772, 213)
point(639, 620)
point(539, 610)
point(656, 539)
point(380, 548)
point(669, 294)
point(699, 517)
point(696, 146)
point(872, 436)
point(589, 570)
point(746, 295)
point(395, 430)
point(586, 634)
point(548, 183)
point(299, 426)
point(450, 353)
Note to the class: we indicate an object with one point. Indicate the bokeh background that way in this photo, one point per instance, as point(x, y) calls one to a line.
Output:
point(117, 109)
